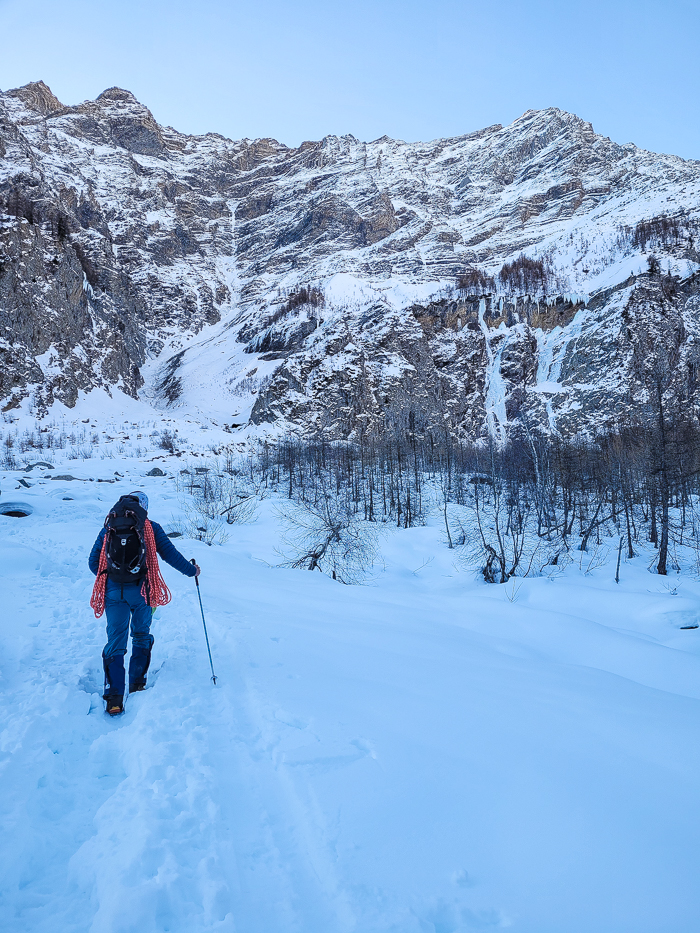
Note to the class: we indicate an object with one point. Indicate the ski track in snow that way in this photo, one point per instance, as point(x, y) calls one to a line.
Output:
point(417, 755)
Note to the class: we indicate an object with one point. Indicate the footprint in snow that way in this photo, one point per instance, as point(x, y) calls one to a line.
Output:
point(89, 683)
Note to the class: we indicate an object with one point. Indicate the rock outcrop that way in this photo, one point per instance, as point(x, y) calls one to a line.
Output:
point(122, 241)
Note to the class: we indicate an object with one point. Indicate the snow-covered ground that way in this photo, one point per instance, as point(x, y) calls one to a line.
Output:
point(423, 754)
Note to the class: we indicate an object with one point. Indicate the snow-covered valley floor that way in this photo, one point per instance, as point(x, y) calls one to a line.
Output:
point(422, 754)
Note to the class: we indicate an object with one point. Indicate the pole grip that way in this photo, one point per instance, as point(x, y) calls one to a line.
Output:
point(196, 579)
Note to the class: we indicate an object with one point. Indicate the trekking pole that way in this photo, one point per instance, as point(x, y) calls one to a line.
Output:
point(196, 580)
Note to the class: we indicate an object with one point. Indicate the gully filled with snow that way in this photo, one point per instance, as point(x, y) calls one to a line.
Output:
point(423, 753)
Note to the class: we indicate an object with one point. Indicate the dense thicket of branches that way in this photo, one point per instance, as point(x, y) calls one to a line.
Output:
point(522, 276)
point(475, 282)
point(658, 230)
point(516, 509)
point(306, 295)
point(525, 276)
point(525, 507)
point(664, 230)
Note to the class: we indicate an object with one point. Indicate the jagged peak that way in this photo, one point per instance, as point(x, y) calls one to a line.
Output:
point(384, 141)
point(117, 93)
point(119, 100)
point(549, 113)
point(131, 124)
point(37, 96)
point(549, 116)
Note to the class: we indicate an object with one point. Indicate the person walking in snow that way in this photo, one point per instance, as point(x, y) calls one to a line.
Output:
point(129, 587)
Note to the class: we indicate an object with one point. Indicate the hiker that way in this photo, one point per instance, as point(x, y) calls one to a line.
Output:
point(129, 586)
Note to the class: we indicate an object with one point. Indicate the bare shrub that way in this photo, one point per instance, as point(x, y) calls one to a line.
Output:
point(9, 461)
point(197, 527)
point(327, 535)
point(588, 562)
point(168, 441)
point(214, 497)
point(80, 452)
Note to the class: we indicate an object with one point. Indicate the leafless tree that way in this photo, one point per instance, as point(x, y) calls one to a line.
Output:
point(329, 536)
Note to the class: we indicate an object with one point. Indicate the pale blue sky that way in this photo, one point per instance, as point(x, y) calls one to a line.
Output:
point(411, 70)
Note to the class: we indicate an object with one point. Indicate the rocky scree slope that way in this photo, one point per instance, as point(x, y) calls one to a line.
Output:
point(324, 275)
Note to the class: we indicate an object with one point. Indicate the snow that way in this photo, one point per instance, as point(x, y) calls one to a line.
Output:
point(49, 362)
point(495, 401)
point(344, 290)
point(424, 753)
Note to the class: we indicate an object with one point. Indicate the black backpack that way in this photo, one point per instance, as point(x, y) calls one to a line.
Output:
point(126, 548)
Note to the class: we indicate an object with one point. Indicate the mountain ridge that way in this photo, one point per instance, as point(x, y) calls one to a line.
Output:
point(127, 249)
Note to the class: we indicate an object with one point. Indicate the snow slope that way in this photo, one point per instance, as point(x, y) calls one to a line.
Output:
point(425, 754)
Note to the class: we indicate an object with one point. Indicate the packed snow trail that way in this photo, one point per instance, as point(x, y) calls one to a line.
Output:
point(152, 844)
point(416, 755)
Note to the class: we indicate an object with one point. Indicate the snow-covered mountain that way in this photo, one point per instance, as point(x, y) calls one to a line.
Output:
point(317, 286)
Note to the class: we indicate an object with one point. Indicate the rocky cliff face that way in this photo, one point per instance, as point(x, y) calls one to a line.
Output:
point(316, 287)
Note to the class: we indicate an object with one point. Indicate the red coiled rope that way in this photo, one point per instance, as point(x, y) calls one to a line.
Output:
point(97, 600)
point(154, 589)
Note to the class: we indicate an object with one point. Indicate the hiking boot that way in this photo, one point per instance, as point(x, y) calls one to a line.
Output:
point(138, 667)
point(114, 676)
point(115, 704)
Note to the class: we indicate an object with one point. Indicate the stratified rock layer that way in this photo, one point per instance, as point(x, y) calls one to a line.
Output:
point(122, 241)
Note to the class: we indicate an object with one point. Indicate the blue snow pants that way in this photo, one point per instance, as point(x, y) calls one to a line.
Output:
point(120, 609)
